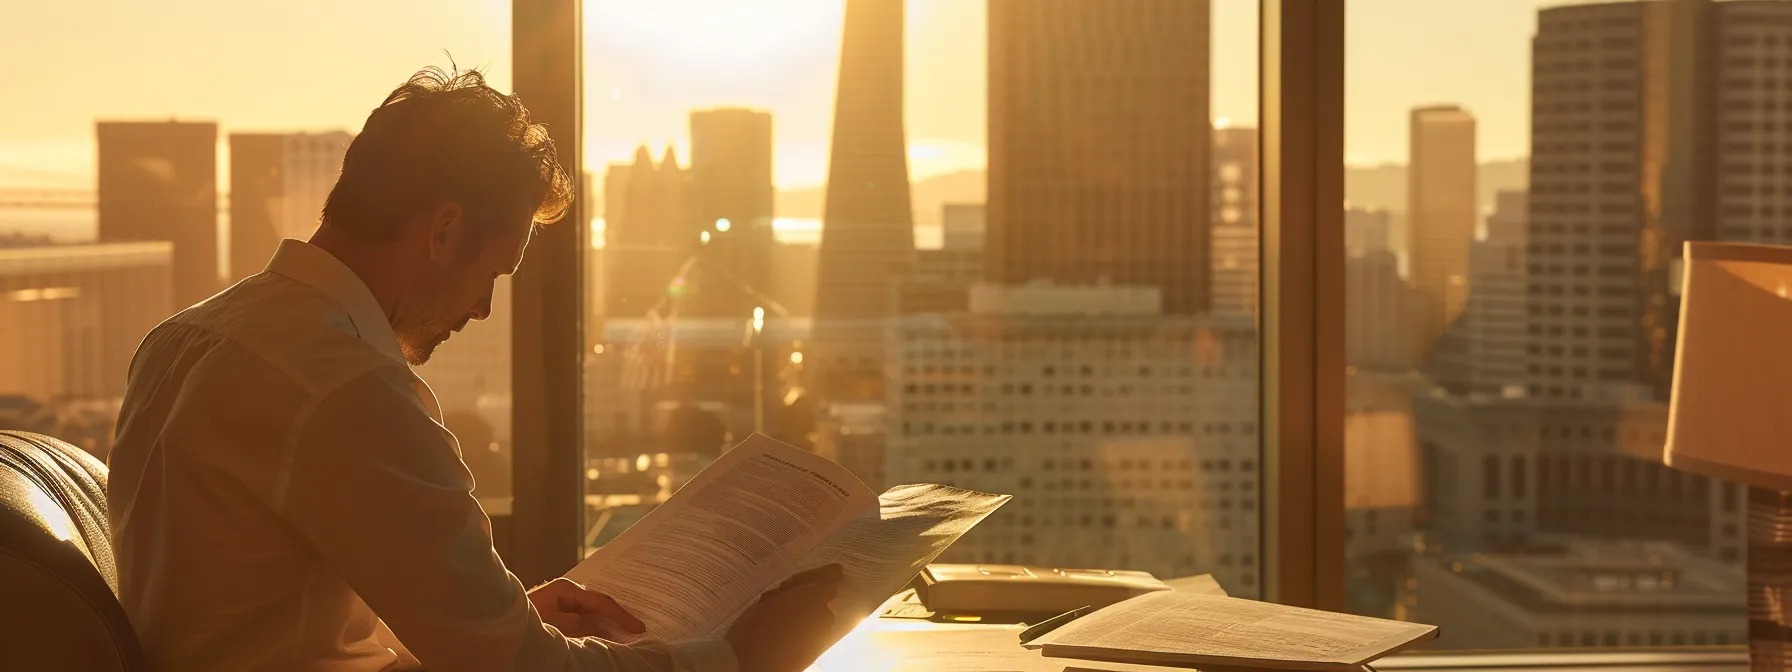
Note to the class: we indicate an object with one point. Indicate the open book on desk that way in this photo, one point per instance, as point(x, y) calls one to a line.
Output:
point(1189, 629)
point(762, 512)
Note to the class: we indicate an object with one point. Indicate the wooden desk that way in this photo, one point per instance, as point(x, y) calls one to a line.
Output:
point(910, 645)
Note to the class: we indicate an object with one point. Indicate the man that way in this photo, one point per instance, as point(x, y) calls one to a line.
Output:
point(283, 493)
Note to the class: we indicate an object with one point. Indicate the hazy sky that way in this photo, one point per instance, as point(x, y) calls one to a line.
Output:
point(270, 66)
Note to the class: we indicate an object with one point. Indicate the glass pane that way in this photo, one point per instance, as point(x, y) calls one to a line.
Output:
point(1008, 246)
point(1518, 194)
point(166, 149)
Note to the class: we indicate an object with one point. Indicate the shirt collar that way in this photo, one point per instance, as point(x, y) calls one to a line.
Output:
point(312, 266)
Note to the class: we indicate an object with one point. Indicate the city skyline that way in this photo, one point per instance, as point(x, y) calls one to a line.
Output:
point(944, 50)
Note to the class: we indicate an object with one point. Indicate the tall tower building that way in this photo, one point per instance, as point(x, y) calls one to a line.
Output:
point(159, 181)
point(868, 234)
point(731, 197)
point(1098, 144)
point(1440, 212)
point(1234, 263)
point(278, 183)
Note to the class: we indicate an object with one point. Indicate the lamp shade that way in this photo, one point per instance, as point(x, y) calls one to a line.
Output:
point(1731, 412)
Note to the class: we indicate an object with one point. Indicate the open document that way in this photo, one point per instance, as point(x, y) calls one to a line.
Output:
point(762, 512)
point(1185, 628)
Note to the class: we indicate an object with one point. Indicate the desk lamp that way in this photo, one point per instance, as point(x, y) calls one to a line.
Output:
point(1731, 412)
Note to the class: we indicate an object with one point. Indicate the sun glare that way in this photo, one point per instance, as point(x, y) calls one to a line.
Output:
point(731, 33)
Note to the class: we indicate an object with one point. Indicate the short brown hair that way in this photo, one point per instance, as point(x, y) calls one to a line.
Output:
point(445, 136)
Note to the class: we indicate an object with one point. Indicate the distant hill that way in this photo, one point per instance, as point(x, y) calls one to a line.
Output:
point(927, 195)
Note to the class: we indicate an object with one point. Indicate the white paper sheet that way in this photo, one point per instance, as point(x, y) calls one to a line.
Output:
point(736, 528)
point(1186, 627)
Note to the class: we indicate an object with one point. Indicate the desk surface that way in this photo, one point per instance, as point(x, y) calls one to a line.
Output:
point(910, 645)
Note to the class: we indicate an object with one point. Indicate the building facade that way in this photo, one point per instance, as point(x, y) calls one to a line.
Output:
point(159, 181)
point(1483, 351)
point(649, 235)
point(75, 314)
point(731, 198)
point(1582, 595)
point(1128, 437)
point(1099, 145)
point(1233, 224)
point(1377, 313)
point(278, 184)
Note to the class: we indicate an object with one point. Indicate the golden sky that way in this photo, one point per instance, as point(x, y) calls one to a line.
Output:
point(256, 65)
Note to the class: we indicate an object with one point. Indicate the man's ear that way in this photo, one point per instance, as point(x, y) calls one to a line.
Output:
point(446, 230)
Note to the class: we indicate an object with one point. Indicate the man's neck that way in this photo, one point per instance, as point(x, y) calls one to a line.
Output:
point(372, 262)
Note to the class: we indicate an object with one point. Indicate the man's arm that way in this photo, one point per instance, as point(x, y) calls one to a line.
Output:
point(378, 489)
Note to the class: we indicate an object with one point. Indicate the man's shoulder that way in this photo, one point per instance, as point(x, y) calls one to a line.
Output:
point(295, 329)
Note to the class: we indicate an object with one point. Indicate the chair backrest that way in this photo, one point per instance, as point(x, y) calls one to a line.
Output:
point(59, 606)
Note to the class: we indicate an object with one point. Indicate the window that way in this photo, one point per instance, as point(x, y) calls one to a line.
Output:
point(708, 172)
point(1511, 295)
point(219, 161)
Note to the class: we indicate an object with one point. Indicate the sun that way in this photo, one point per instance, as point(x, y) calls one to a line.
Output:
point(715, 33)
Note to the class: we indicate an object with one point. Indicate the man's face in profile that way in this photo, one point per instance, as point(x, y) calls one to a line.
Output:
point(457, 289)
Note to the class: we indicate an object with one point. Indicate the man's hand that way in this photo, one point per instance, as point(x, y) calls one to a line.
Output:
point(790, 626)
point(581, 612)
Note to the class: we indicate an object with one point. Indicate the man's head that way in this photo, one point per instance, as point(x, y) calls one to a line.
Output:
point(447, 179)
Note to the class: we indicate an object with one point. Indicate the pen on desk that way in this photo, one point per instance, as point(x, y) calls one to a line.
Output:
point(1053, 623)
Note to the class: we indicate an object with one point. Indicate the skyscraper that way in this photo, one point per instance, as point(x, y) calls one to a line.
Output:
point(1234, 221)
point(1630, 159)
point(1483, 351)
point(278, 183)
point(1098, 144)
point(159, 181)
point(868, 234)
point(731, 198)
point(648, 235)
point(1440, 213)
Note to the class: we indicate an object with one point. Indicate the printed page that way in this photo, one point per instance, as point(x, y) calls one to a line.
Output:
point(722, 539)
point(883, 549)
point(1192, 628)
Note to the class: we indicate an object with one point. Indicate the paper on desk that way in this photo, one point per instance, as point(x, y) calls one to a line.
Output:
point(1188, 628)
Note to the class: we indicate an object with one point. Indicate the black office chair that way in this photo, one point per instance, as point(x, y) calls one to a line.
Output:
point(59, 605)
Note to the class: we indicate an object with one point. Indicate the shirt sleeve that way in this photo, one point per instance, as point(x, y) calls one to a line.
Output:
point(378, 489)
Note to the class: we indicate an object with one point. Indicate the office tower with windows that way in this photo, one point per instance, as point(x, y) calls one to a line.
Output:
point(74, 315)
point(1099, 137)
point(1128, 436)
point(731, 198)
point(867, 235)
point(159, 181)
point(1440, 211)
point(278, 184)
point(1233, 225)
point(1630, 159)
point(1483, 351)
point(649, 236)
